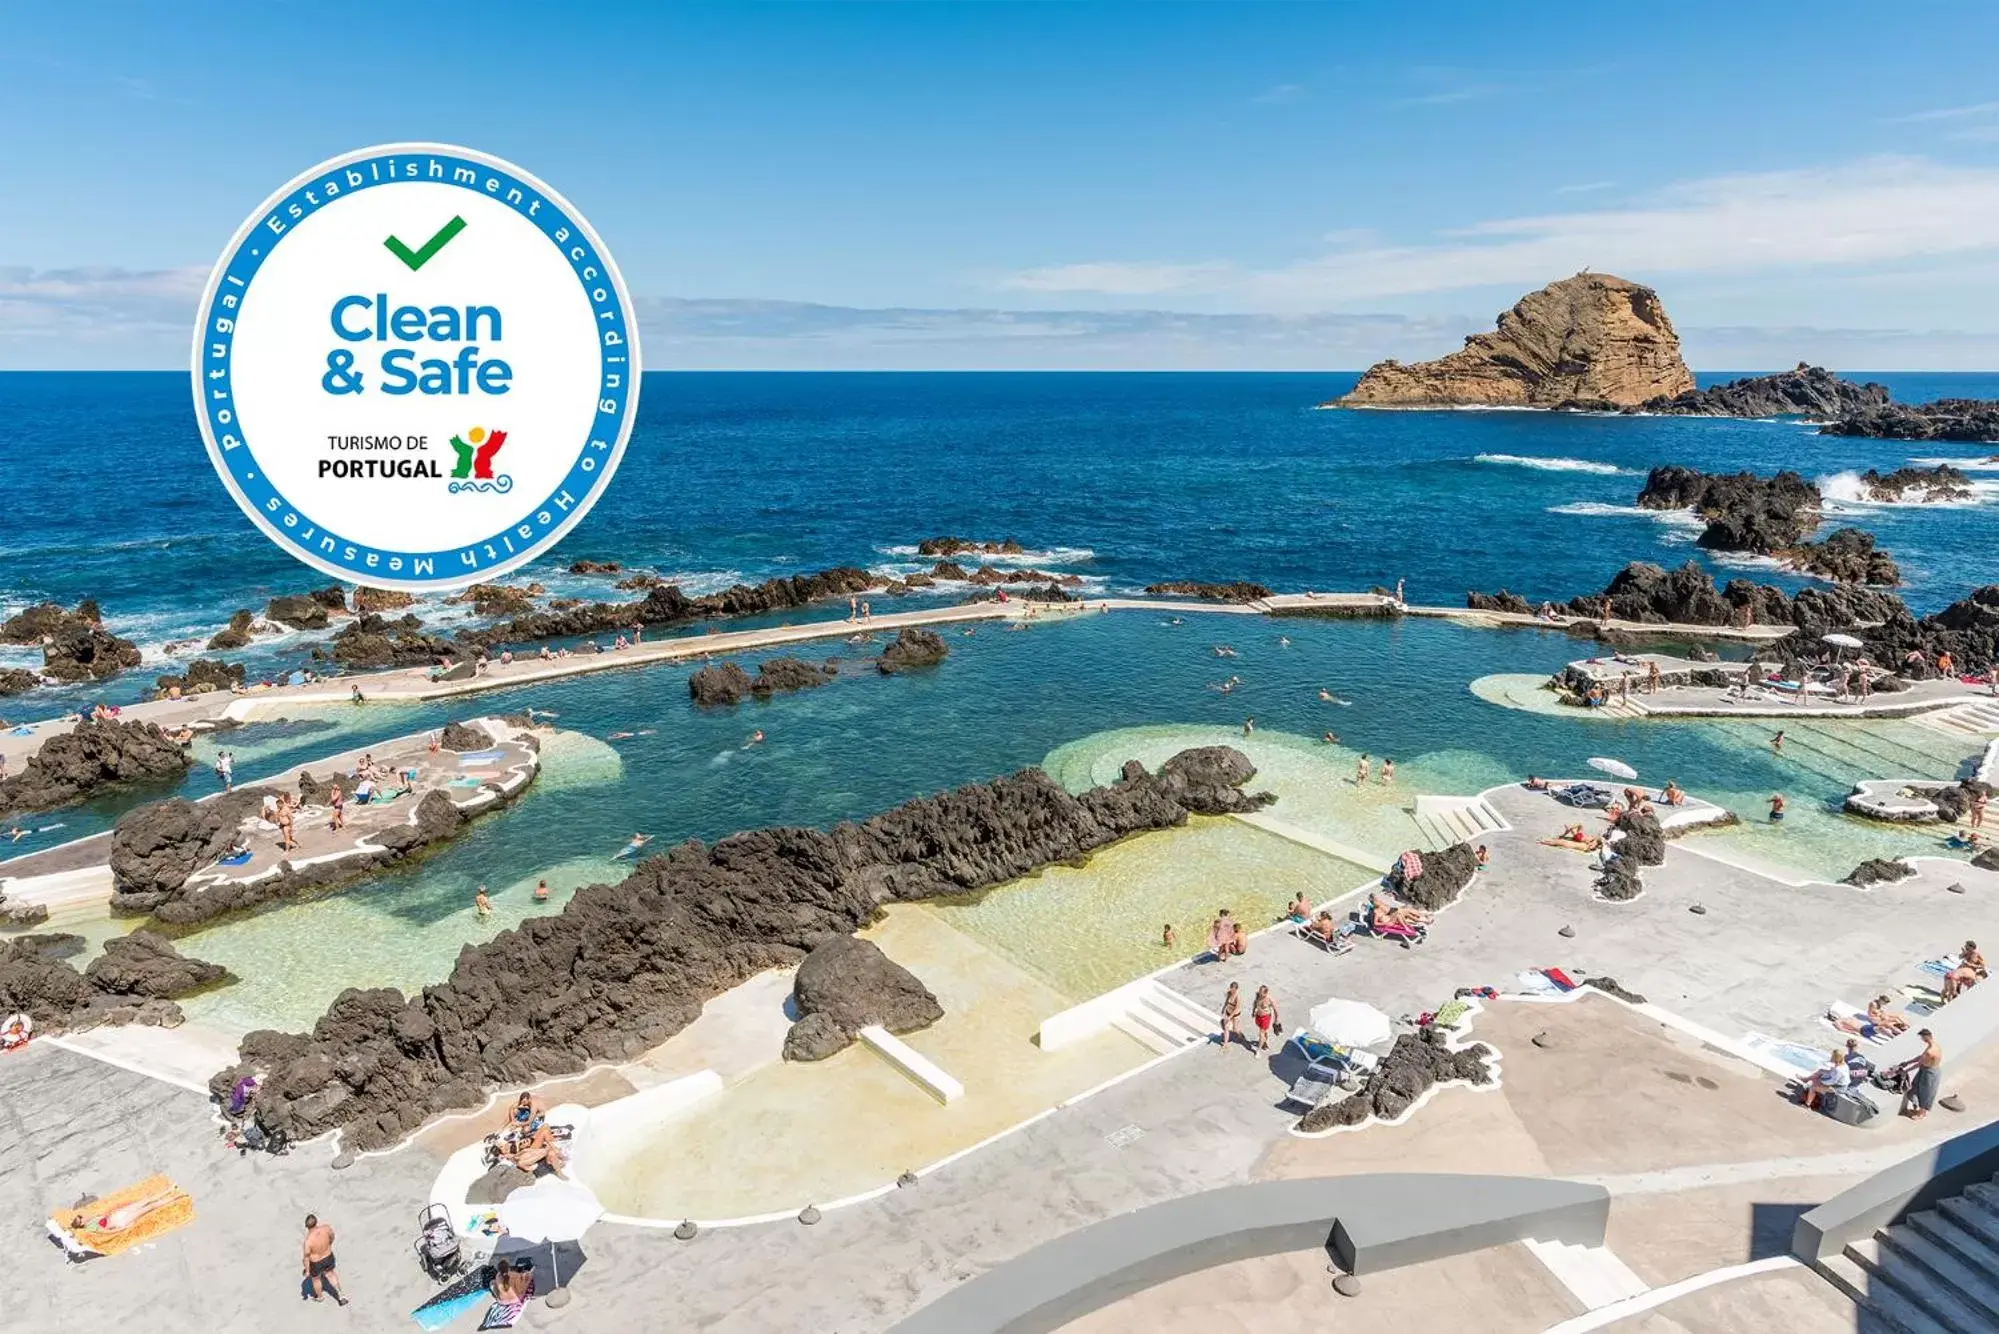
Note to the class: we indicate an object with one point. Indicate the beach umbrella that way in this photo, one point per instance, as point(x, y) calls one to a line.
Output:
point(1615, 768)
point(1843, 641)
point(551, 1210)
point(1350, 1023)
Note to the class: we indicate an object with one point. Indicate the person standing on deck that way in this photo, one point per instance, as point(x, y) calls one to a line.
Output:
point(317, 1263)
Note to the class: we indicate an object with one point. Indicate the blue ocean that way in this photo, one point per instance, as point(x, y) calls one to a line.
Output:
point(1122, 479)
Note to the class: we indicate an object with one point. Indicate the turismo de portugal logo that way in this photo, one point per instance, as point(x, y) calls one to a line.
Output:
point(416, 367)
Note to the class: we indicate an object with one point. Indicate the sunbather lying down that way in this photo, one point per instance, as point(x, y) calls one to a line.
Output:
point(1387, 912)
point(1576, 837)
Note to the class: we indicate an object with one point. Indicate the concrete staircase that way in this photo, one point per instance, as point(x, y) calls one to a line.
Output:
point(1936, 1272)
point(1163, 1020)
point(1447, 821)
point(1977, 718)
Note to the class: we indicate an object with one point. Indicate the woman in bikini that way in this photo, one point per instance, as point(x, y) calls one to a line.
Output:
point(1969, 972)
point(1231, 1016)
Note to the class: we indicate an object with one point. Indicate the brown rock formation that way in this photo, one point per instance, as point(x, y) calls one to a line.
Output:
point(1591, 341)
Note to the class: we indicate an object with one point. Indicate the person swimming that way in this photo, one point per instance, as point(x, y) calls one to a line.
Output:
point(637, 841)
point(756, 739)
point(541, 891)
point(619, 736)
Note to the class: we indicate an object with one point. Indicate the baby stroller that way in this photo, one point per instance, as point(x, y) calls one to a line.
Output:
point(437, 1246)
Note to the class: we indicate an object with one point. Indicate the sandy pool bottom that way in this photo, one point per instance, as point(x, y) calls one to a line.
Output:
point(786, 1135)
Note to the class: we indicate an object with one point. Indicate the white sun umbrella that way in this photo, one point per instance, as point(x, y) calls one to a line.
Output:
point(552, 1209)
point(1350, 1023)
point(1615, 768)
point(1843, 641)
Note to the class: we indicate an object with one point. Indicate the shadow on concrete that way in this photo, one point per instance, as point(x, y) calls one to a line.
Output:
point(1771, 1227)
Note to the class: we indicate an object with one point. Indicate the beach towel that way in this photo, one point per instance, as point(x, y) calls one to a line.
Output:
point(1559, 978)
point(236, 860)
point(454, 1300)
point(1939, 967)
point(85, 1242)
point(1412, 866)
point(1449, 1013)
point(502, 1315)
point(1533, 982)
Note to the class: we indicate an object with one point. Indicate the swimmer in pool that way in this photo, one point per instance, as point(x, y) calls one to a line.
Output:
point(619, 736)
point(638, 841)
point(756, 739)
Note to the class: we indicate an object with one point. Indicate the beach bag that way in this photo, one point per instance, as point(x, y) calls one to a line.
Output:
point(1847, 1107)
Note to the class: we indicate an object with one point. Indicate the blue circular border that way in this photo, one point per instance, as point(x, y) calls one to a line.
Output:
point(215, 345)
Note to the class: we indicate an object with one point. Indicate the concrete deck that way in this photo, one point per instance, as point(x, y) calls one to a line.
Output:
point(52, 877)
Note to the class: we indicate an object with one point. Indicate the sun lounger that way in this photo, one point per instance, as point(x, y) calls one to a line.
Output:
point(1314, 1086)
point(1839, 1010)
point(1341, 942)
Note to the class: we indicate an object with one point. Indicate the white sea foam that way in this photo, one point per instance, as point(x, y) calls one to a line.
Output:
point(1050, 556)
point(1982, 463)
point(1845, 491)
point(1550, 465)
point(1681, 525)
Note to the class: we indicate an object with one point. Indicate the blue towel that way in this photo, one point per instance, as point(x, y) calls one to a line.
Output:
point(435, 1315)
point(237, 860)
point(1939, 967)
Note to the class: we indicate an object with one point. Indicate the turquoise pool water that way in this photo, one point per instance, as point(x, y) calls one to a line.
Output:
point(1084, 695)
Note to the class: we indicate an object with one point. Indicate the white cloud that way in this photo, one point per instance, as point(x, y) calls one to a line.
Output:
point(51, 314)
point(1946, 113)
point(1877, 211)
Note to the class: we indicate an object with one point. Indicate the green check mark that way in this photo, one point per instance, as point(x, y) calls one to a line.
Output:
point(416, 259)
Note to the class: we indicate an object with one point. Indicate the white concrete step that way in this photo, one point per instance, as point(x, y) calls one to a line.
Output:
point(1978, 1288)
point(1936, 1299)
point(1145, 1036)
point(1177, 1008)
point(1594, 1275)
point(64, 889)
point(1885, 1303)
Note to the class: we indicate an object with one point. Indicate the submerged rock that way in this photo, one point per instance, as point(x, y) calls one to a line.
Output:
point(719, 683)
point(913, 647)
point(1942, 483)
point(88, 759)
point(1591, 341)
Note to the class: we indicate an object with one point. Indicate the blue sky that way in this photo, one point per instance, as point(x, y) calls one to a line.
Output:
point(1052, 184)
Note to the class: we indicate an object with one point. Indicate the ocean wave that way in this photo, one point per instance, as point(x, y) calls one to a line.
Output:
point(1047, 556)
point(1551, 465)
point(1681, 525)
point(1983, 463)
point(1846, 492)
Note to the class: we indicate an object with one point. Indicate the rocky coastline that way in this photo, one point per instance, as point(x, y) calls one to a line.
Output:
point(626, 965)
point(1807, 391)
point(157, 848)
point(135, 980)
point(1240, 590)
point(1956, 420)
point(90, 758)
point(1649, 594)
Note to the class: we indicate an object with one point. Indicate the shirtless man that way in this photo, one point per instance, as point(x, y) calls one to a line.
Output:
point(317, 1264)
